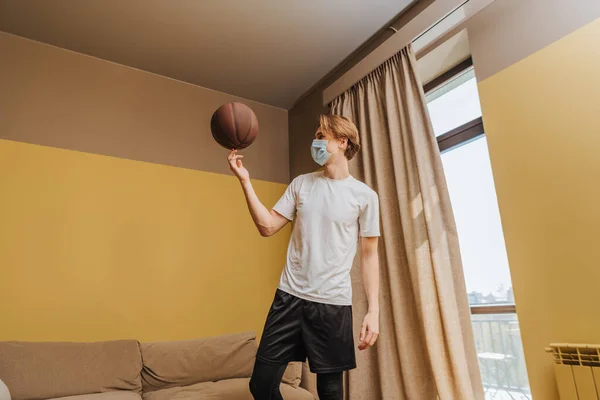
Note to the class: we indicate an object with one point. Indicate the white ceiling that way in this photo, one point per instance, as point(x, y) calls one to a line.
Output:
point(271, 51)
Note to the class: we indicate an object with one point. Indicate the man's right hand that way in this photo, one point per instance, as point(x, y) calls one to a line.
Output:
point(235, 163)
point(267, 222)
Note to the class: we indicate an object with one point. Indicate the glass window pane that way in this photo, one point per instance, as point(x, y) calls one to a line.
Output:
point(473, 196)
point(454, 104)
point(501, 359)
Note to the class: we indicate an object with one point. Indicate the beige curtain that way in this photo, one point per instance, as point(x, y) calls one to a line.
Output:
point(426, 349)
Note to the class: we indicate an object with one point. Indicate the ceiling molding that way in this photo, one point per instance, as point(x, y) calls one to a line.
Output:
point(420, 26)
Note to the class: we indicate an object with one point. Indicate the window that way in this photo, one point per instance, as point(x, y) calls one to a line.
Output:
point(472, 193)
point(455, 112)
point(455, 103)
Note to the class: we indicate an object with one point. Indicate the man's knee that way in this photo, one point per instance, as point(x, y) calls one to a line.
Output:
point(254, 388)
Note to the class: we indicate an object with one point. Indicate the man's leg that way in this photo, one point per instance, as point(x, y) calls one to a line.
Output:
point(330, 386)
point(327, 333)
point(265, 381)
point(281, 343)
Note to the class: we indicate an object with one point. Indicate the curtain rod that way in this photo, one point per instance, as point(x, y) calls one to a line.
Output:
point(440, 21)
point(422, 23)
point(477, 6)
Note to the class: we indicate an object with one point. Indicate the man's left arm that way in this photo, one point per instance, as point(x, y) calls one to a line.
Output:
point(370, 272)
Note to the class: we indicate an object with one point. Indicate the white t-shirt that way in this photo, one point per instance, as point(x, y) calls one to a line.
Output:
point(329, 216)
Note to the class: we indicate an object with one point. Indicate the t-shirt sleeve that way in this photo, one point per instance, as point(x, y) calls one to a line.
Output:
point(286, 205)
point(368, 219)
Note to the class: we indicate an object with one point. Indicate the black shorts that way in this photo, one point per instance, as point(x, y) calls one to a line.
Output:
point(298, 329)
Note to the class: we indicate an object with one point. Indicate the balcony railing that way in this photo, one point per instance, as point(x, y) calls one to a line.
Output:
point(500, 353)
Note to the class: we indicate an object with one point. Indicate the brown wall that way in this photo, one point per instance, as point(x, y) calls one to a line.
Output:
point(63, 99)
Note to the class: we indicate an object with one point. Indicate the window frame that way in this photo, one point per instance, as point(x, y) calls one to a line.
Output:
point(461, 136)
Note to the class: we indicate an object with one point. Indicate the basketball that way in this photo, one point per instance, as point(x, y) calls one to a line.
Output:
point(234, 126)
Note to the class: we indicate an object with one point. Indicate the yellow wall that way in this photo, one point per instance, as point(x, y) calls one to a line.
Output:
point(94, 247)
point(542, 119)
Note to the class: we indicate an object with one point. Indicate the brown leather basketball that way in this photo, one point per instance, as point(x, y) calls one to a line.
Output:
point(234, 126)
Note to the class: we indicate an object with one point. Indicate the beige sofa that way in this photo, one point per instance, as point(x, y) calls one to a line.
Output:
point(211, 368)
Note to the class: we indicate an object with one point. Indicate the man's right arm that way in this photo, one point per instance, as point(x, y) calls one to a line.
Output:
point(267, 222)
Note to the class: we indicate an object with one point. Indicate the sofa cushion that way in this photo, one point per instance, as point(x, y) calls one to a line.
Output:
point(309, 379)
point(293, 374)
point(116, 395)
point(186, 362)
point(230, 389)
point(33, 370)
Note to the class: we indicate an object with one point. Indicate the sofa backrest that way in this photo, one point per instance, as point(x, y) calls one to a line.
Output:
point(187, 362)
point(33, 370)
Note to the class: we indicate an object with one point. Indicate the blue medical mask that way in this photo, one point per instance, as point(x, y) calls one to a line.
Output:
point(319, 152)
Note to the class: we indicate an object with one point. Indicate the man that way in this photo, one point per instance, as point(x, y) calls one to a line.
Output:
point(311, 315)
